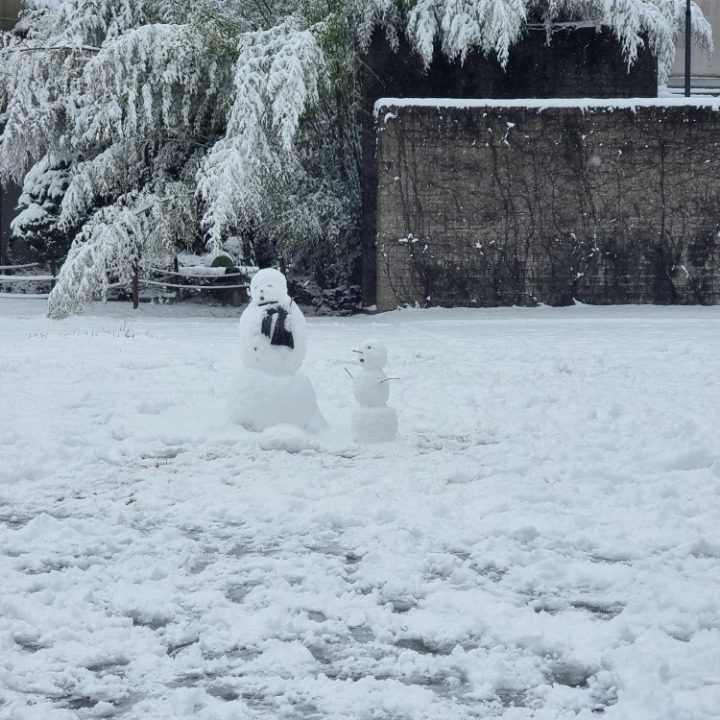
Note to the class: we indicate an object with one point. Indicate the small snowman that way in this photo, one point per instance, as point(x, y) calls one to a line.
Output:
point(270, 391)
point(373, 421)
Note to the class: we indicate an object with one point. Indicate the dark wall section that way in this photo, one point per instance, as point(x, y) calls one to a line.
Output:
point(9, 10)
point(8, 201)
point(579, 62)
point(503, 205)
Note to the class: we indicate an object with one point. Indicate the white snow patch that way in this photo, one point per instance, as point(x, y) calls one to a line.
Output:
point(539, 542)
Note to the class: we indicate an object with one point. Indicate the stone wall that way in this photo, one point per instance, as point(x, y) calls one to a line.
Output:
point(500, 204)
point(568, 62)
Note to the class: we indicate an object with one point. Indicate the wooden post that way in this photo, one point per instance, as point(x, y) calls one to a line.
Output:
point(135, 287)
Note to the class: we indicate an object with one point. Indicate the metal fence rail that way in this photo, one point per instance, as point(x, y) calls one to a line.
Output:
point(20, 279)
point(198, 280)
point(26, 278)
point(19, 267)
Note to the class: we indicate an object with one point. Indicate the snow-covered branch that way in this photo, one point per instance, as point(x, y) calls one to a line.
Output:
point(277, 77)
point(153, 80)
point(116, 238)
point(50, 48)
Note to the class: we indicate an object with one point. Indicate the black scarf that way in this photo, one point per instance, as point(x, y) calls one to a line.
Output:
point(276, 331)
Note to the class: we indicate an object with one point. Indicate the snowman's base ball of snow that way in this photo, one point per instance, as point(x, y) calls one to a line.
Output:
point(261, 401)
point(374, 424)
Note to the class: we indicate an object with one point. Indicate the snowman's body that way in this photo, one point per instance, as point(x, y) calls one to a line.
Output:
point(271, 391)
point(262, 401)
point(371, 388)
point(373, 421)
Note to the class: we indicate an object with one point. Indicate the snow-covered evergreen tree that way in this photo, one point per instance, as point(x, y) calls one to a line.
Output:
point(38, 225)
point(190, 121)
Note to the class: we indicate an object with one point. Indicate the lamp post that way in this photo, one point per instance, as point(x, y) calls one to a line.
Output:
point(688, 34)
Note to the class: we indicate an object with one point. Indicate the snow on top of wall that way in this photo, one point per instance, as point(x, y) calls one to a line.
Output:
point(545, 103)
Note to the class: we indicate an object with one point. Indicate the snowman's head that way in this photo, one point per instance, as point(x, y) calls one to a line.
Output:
point(268, 286)
point(372, 354)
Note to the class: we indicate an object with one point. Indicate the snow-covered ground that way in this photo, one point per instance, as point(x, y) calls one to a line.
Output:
point(542, 541)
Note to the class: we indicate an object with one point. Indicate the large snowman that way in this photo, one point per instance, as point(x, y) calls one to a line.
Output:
point(270, 390)
point(272, 327)
point(373, 421)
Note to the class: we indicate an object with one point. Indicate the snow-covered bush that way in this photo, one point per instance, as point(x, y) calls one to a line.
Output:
point(185, 122)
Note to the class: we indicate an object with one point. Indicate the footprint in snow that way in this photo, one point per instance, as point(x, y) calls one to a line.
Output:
point(154, 407)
